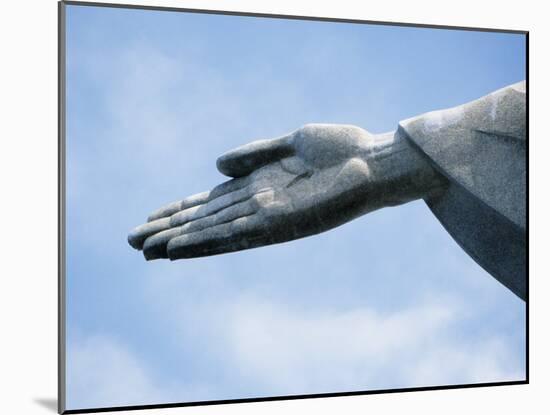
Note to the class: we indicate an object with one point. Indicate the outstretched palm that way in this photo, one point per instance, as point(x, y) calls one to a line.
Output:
point(282, 189)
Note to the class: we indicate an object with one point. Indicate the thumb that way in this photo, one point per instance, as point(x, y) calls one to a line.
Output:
point(245, 159)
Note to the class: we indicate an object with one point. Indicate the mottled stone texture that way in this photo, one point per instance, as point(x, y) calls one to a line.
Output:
point(480, 148)
point(468, 163)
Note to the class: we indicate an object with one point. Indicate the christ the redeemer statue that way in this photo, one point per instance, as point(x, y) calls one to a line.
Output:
point(468, 163)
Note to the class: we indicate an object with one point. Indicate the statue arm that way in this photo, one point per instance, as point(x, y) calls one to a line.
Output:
point(306, 182)
point(400, 170)
point(467, 162)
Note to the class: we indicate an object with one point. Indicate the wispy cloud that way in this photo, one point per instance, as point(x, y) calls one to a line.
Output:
point(103, 372)
point(274, 350)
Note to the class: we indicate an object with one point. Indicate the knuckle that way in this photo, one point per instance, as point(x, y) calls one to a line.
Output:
point(263, 198)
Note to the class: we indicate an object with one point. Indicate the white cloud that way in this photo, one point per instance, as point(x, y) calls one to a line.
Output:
point(102, 372)
point(295, 352)
point(270, 350)
point(486, 360)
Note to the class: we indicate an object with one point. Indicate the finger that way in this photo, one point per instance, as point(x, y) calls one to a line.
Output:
point(242, 233)
point(245, 159)
point(154, 246)
point(199, 199)
point(138, 235)
point(210, 208)
point(171, 208)
point(246, 208)
point(230, 186)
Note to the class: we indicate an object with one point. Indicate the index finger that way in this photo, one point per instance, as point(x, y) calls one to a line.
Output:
point(174, 207)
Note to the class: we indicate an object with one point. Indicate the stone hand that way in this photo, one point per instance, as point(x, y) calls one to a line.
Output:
point(318, 177)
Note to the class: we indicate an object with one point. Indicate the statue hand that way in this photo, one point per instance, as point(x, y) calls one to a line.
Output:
point(282, 189)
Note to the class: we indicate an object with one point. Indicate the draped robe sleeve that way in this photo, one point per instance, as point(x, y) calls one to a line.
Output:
point(480, 147)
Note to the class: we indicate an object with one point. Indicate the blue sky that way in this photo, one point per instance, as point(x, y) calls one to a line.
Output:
point(388, 300)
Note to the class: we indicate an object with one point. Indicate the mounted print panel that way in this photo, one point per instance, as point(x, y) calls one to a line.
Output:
point(277, 206)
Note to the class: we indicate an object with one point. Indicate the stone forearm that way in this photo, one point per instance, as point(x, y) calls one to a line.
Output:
point(400, 172)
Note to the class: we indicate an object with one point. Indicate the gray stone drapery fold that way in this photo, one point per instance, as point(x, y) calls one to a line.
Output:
point(481, 148)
